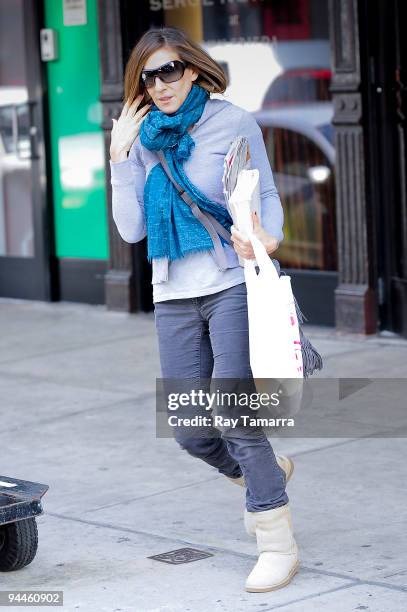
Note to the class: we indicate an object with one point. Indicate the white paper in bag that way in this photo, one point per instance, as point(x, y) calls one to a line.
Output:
point(244, 201)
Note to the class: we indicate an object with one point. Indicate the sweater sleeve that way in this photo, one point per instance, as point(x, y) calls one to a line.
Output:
point(272, 215)
point(127, 180)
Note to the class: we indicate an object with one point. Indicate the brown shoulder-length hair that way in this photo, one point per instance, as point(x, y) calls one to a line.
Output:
point(210, 74)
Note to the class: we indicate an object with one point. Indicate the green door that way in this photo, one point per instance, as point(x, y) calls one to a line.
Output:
point(77, 144)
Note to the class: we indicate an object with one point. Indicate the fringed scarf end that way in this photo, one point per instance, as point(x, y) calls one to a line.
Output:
point(311, 359)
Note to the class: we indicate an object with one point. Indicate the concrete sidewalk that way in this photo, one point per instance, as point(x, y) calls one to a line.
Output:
point(78, 413)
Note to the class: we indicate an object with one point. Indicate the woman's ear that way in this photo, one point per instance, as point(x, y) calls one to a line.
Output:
point(194, 74)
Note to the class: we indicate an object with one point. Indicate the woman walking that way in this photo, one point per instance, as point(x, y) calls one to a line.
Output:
point(170, 129)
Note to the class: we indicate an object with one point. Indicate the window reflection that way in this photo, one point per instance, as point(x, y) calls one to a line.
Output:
point(16, 223)
point(16, 188)
point(305, 180)
point(298, 86)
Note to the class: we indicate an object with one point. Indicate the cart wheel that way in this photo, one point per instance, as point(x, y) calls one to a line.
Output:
point(18, 544)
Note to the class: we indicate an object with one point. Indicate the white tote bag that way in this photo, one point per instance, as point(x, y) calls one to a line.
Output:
point(274, 337)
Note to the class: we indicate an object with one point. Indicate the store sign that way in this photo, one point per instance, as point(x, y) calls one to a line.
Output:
point(74, 12)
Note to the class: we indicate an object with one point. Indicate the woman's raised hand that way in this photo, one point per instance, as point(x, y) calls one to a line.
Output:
point(126, 129)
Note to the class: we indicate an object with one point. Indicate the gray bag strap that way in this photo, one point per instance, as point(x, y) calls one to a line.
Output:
point(211, 224)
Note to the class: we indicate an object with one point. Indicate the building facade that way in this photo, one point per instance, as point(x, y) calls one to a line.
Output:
point(325, 82)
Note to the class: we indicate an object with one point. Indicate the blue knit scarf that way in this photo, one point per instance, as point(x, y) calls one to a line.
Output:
point(172, 230)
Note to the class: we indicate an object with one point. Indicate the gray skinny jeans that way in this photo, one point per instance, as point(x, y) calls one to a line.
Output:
point(204, 337)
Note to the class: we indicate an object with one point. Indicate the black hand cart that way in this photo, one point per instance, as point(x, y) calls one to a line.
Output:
point(20, 503)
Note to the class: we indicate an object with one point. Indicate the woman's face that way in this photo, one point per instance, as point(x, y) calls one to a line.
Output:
point(168, 97)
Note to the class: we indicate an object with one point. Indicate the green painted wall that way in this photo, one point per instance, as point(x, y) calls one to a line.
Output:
point(77, 147)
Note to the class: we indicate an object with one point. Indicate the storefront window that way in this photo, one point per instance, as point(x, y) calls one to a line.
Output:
point(16, 188)
point(276, 55)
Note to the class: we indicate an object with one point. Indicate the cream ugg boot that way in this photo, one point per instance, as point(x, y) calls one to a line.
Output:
point(286, 463)
point(278, 551)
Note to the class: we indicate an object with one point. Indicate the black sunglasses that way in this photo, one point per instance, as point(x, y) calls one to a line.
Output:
point(168, 73)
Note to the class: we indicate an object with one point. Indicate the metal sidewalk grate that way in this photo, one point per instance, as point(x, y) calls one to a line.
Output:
point(181, 555)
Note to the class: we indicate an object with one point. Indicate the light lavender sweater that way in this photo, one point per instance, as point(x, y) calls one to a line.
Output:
point(196, 274)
